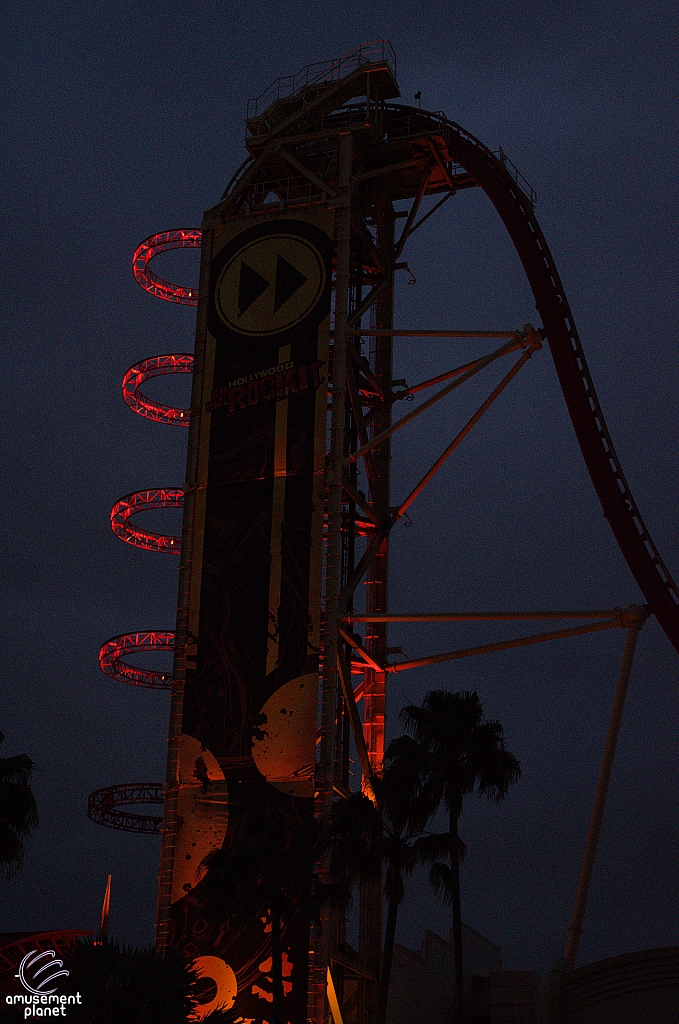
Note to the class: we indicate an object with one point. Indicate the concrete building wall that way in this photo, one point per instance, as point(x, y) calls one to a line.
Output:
point(637, 988)
point(423, 982)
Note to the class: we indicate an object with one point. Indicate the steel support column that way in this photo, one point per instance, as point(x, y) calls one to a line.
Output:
point(634, 618)
point(318, 960)
point(374, 698)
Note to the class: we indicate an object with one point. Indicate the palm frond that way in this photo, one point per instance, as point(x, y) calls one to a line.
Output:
point(12, 852)
point(433, 847)
point(17, 770)
point(17, 807)
point(441, 881)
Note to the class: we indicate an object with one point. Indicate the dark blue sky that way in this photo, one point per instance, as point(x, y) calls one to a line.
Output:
point(125, 119)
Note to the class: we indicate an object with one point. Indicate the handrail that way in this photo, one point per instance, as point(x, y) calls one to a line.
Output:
point(518, 177)
point(288, 86)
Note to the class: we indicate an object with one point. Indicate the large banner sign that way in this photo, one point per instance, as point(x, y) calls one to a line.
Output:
point(249, 719)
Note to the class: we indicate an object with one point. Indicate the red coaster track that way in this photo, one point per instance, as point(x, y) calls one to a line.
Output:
point(143, 501)
point(162, 242)
point(516, 210)
point(115, 649)
point(106, 806)
point(14, 946)
point(155, 367)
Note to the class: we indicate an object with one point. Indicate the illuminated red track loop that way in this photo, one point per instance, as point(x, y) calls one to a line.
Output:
point(144, 501)
point(156, 366)
point(115, 649)
point(104, 807)
point(162, 242)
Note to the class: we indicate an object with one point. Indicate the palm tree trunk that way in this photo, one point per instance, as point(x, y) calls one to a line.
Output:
point(387, 958)
point(277, 967)
point(457, 920)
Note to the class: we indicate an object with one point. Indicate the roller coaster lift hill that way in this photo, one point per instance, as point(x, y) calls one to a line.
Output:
point(292, 373)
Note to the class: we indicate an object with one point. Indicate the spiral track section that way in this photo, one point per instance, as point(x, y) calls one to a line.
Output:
point(107, 807)
point(118, 647)
point(111, 805)
point(146, 501)
point(156, 366)
point(162, 242)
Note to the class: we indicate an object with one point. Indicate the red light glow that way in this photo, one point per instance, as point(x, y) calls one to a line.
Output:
point(156, 366)
point(112, 652)
point(150, 247)
point(144, 501)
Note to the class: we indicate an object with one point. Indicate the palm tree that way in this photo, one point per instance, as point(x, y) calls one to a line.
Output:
point(366, 839)
point(18, 812)
point(462, 754)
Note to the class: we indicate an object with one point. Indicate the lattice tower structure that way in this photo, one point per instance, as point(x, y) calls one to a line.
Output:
point(332, 139)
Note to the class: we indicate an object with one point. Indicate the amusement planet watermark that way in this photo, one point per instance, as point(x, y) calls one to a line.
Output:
point(35, 976)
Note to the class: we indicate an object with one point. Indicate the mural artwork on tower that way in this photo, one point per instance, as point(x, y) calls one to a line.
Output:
point(249, 718)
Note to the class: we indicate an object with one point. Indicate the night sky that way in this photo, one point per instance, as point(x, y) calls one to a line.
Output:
point(123, 119)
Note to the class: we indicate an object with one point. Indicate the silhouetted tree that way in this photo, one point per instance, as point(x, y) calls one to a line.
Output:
point(458, 753)
point(367, 840)
point(18, 812)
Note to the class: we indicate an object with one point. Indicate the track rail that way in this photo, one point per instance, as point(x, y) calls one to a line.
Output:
point(21, 943)
point(621, 511)
point(107, 806)
point(104, 807)
point(179, 238)
point(156, 366)
point(118, 647)
point(145, 501)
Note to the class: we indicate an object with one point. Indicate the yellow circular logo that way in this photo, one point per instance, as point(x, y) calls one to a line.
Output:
point(270, 284)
